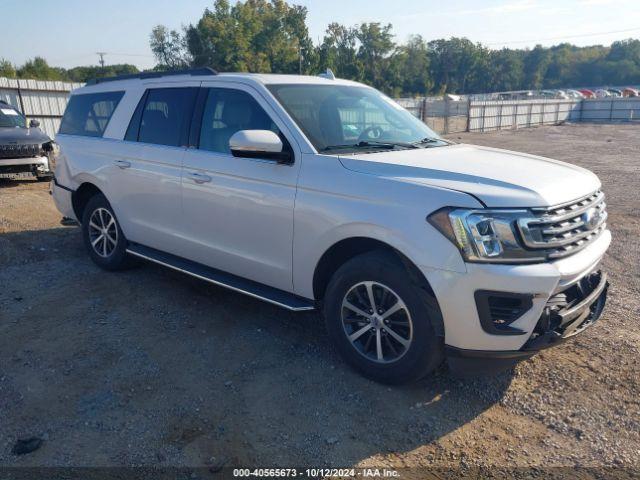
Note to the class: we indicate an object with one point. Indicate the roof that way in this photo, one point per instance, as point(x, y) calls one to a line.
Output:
point(112, 83)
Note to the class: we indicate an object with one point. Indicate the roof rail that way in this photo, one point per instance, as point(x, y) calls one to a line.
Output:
point(196, 72)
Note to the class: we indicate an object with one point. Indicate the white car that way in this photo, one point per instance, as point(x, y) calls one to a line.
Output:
point(311, 192)
point(575, 94)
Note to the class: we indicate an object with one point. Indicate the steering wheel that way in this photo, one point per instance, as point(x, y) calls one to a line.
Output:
point(370, 133)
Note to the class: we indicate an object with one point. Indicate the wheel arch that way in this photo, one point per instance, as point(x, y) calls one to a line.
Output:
point(344, 250)
point(81, 197)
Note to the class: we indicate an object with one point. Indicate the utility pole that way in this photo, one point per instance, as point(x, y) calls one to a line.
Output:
point(101, 54)
point(299, 58)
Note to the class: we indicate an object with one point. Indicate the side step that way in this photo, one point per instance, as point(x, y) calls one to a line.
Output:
point(249, 287)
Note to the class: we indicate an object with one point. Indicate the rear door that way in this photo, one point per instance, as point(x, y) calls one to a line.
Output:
point(147, 172)
point(238, 212)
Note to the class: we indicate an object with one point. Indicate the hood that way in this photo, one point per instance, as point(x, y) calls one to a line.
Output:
point(500, 178)
point(22, 136)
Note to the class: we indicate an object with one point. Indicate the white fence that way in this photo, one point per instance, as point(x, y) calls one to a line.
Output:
point(38, 99)
point(471, 115)
point(610, 109)
point(441, 114)
point(486, 116)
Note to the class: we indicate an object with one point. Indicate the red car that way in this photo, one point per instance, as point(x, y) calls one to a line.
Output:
point(587, 93)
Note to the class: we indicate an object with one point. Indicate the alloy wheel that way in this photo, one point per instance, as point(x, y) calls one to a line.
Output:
point(103, 232)
point(377, 322)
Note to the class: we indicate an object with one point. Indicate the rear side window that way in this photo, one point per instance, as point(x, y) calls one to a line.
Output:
point(165, 117)
point(89, 114)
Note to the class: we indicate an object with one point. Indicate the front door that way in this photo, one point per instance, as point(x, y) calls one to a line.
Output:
point(238, 212)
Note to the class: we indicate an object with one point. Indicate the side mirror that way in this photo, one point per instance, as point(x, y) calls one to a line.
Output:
point(34, 123)
point(263, 144)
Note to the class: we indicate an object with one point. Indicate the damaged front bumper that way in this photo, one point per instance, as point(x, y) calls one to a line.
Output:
point(566, 314)
point(27, 167)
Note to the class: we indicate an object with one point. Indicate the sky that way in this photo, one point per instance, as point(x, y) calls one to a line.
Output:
point(68, 33)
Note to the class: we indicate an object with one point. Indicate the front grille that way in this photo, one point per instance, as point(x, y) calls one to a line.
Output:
point(557, 323)
point(20, 151)
point(567, 228)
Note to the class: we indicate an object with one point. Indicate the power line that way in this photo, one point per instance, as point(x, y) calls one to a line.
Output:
point(130, 54)
point(563, 37)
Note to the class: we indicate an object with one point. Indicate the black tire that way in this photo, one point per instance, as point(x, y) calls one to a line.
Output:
point(384, 270)
point(114, 255)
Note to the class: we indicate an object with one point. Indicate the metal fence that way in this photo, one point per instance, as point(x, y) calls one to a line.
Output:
point(441, 114)
point(486, 116)
point(38, 99)
point(610, 109)
point(472, 115)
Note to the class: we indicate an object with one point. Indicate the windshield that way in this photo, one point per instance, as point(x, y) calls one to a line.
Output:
point(352, 118)
point(11, 118)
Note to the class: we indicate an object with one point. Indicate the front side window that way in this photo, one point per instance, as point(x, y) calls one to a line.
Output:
point(166, 116)
point(350, 117)
point(226, 112)
point(89, 114)
point(11, 118)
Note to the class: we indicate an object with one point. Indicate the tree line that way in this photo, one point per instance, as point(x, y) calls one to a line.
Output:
point(271, 36)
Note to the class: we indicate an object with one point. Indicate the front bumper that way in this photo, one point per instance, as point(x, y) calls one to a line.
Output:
point(62, 198)
point(28, 166)
point(583, 305)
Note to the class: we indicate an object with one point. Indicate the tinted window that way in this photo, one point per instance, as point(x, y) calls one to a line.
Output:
point(227, 111)
point(166, 115)
point(89, 114)
point(343, 116)
point(10, 117)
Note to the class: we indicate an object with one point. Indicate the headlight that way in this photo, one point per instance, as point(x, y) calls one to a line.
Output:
point(52, 150)
point(484, 235)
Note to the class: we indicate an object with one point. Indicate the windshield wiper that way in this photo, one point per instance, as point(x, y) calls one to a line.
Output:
point(371, 144)
point(430, 140)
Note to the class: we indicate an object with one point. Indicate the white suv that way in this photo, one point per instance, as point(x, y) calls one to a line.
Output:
point(314, 192)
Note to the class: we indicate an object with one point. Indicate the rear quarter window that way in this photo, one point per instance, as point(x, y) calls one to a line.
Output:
point(88, 114)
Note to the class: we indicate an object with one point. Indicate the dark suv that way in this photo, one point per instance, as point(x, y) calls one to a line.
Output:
point(25, 150)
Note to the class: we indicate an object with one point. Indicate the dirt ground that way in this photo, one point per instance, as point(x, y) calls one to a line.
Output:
point(150, 367)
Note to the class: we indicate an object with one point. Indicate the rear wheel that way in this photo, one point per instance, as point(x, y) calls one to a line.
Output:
point(381, 320)
point(103, 238)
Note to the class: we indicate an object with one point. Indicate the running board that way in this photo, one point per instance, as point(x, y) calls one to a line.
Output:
point(248, 287)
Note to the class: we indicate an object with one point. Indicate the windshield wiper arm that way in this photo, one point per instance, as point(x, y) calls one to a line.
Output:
point(429, 140)
point(389, 144)
point(371, 144)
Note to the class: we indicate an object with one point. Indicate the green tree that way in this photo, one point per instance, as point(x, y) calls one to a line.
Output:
point(374, 52)
point(339, 52)
point(7, 69)
point(457, 65)
point(506, 70)
point(412, 67)
point(536, 62)
point(86, 73)
point(252, 36)
point(39, 69)
point(169, 47)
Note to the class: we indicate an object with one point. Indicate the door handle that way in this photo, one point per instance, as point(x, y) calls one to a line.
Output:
point(122, 164)
point(200, 177)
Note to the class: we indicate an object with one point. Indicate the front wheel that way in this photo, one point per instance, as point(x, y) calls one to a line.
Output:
point(102, 235)
point(380, 319)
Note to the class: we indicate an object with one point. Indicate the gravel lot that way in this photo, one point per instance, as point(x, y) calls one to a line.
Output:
point(150, 367)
